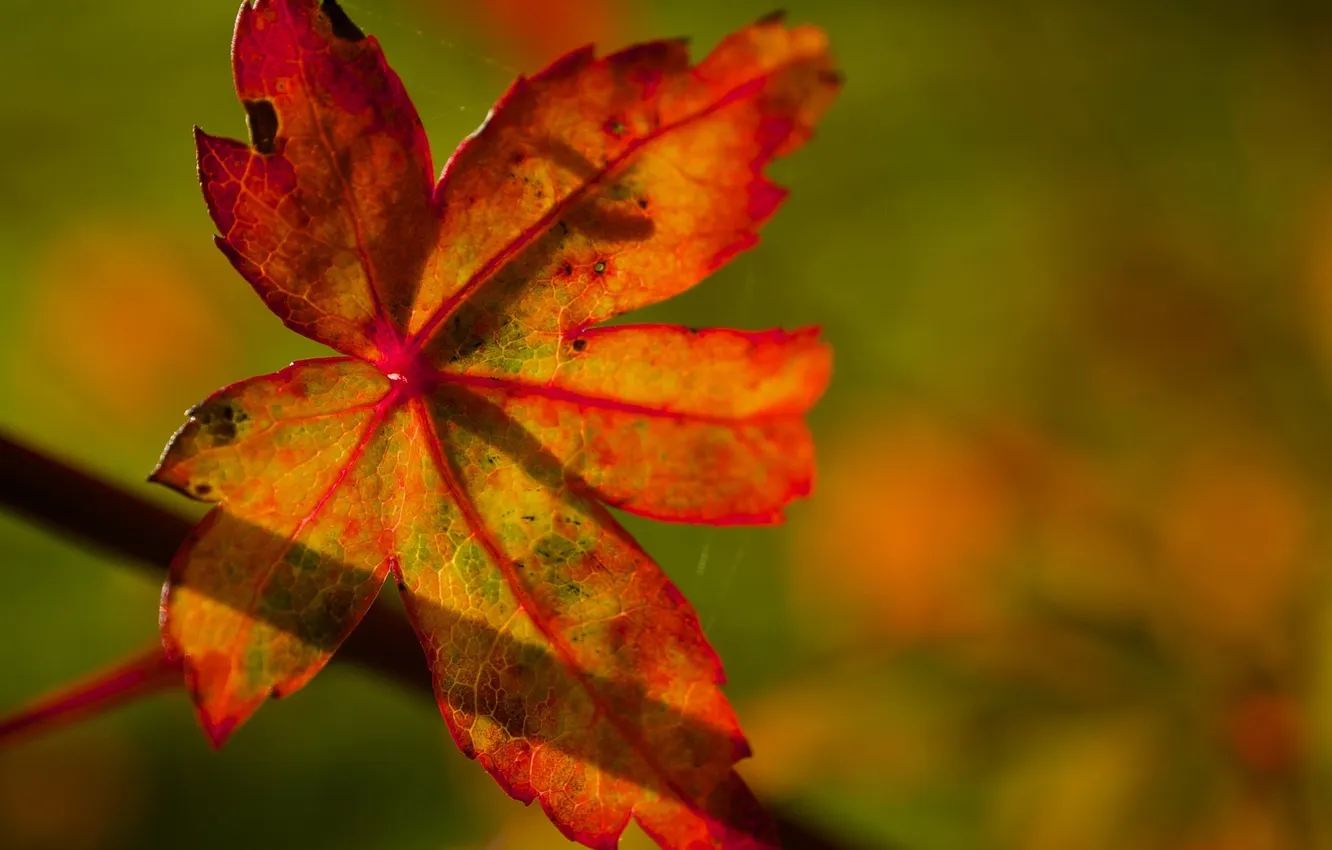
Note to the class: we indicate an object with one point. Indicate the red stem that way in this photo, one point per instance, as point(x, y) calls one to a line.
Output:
point(140, 676)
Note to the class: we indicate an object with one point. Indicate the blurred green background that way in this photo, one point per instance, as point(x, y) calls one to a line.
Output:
point(1065, 579)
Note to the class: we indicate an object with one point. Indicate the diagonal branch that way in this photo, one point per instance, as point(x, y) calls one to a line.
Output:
point(103, 516)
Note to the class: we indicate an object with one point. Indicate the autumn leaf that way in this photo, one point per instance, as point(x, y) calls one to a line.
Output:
point(479, 422)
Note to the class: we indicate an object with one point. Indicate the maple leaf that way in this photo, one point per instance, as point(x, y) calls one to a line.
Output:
point(477, 426)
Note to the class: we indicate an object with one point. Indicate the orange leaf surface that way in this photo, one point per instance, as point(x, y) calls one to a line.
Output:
point(477, 427)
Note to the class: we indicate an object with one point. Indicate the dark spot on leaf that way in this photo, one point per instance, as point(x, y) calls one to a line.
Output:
point(529, 518)
point(261, 118)
point(692, 330)
point(402, 586)
point(832, 78)
point(518, 565)
point(579, 344)
point(221, 410)
point(642, 203)
point(564, 227)
point(219, 419)
point(275, 694)
point(600, 267)
point(614, 126)
point(554, 550)
point(343, 27)
point(202, 489)
point(566, 269)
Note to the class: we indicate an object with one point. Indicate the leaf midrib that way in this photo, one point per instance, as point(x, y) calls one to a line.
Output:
point(534, 231)
point(481, 532)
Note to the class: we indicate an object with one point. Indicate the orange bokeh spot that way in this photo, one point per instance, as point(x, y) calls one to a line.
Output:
point(1266, 732)
point(541, 30)
point(907, 518)
point(80, 791)
point(1234, 534)
point(118, 325)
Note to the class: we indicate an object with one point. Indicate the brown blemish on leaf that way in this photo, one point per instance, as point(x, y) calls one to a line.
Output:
point(343, 26)
point(219, 419)
point(262, 120)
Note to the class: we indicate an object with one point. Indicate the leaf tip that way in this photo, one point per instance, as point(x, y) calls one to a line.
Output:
point(343, 26)
point(833, 78)
point(742, 748)
point(218, 731)
point(201, 146)
point(561, 67)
